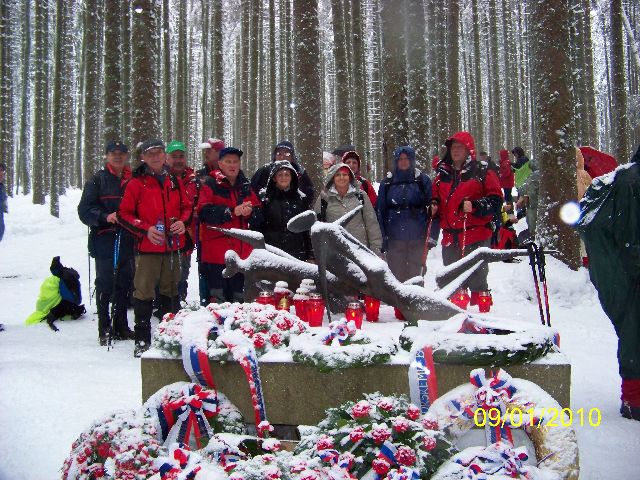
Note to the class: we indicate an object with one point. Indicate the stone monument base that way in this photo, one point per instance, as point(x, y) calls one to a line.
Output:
point(297, 394)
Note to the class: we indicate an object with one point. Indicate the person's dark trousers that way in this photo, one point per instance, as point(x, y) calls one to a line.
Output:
point(405, 258)
point(183, 285)
point(223, 289)
point(105, 294)
point(477, 282)
point(508, 198)
point(1, 225)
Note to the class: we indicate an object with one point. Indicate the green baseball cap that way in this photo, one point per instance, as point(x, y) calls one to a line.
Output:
point(176, 145)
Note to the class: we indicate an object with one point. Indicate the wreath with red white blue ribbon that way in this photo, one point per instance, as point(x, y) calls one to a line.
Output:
point(456, 412)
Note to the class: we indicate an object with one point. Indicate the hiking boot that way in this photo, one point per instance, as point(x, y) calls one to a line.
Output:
point(627, 411)
point(102, 339)
point(124, 333)
point(140, 348)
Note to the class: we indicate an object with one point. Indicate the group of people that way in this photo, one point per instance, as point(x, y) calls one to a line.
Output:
point(145, 224)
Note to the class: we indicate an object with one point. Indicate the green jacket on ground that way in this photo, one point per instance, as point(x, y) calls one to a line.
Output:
point(49, 297)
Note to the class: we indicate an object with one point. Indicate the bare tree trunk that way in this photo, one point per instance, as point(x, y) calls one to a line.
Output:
point(146, 121)
point(7, 118)
point(343, 113)
point(181, 111)
point(273, 79)
point(360, 123)
point(40, 168)
point(498, 140)
point(555, 142)
point(619, 121)
point(125, 6)
point(205, 106)
point(167, 129)
point(307, 85)
point(253, 39)
point(24, 155)
point(112, 75)
point(442, 93)
point(453, 71)
point(477, 104)
point(62, 104)
point(508, 67)
point(417, 81)
point(217, 70)
point(394, 81)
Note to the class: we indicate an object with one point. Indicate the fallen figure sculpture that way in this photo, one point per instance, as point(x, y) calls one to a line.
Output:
point(346, 268)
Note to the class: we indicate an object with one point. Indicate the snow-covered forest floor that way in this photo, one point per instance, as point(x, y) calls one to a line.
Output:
point(54, 384)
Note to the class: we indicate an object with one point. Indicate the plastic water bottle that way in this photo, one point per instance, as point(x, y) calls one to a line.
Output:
point(160, 226)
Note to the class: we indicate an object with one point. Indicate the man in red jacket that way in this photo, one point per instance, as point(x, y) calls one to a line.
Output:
point(156, 209)
point(466, 195)
point(226, 201)
point(177, 161)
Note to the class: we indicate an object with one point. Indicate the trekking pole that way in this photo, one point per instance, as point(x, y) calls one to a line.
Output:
point(89, 264)
point(543, 279)
point(116, 267)
point(533, 262)
point(425, 251)
point(464, 235)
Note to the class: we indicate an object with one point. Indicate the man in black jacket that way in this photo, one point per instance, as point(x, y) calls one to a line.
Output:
point(110, 245)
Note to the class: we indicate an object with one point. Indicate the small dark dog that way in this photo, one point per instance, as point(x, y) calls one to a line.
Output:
point(71, 303)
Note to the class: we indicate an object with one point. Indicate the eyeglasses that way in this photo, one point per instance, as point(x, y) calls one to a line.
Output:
point(283, 154)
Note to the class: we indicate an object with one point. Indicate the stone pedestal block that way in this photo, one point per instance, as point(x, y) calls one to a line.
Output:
point(297, 394)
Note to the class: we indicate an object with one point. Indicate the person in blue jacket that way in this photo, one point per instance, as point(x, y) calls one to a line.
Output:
point(403, 201)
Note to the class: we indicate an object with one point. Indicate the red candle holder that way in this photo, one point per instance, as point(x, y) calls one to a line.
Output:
point(315, 310)
point(484, 302)
point(460, 298)
point(266, 298)
point(300, 300)
point(371, 308)
point(354, 313)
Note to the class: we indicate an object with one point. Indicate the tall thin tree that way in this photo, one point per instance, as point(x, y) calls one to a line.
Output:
point(394, 87)
point(619, 119)
point(112, 75)
point(307, 85)
point(551, 67)
point(145, 94)
point(40, 168)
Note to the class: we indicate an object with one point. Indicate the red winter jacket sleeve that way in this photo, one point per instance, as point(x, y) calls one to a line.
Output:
point(127, 214)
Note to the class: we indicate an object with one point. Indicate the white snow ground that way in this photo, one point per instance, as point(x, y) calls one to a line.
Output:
point(52, 385)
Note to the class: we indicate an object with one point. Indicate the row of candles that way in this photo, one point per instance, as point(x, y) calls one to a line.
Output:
point(309, 305)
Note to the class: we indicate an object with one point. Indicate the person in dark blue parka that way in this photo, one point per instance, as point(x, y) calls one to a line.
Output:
point(403, 201)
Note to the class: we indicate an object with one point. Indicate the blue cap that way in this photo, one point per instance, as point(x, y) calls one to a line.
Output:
point(114, 145)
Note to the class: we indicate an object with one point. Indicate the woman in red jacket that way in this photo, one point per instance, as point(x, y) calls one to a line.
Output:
point(466, 195)
point(507, 178)
point(226, 201)
point(156, 209)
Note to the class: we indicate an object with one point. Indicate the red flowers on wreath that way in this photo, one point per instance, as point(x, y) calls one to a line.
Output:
point(405, 455)
point(357, 434)
point(276, 339)
point(380, 466)
point(361, 409)
point(430, 424)
point(380, 433)
point(259, 340)
point(413, 412)
point(324, 443)
point(401, 424)
point(385, 404)
point(429, 443)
